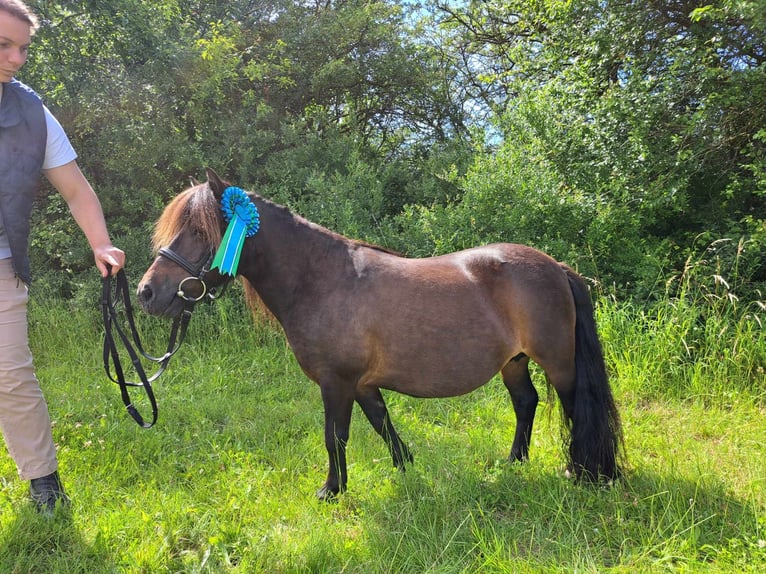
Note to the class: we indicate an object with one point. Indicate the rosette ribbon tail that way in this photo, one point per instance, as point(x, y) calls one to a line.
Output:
point(226, 259)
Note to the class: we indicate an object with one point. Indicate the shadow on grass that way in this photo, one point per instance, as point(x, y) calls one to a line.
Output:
point(34, 544)
point(517, 518)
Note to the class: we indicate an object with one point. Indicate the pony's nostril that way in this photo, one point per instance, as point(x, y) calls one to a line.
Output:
point(145, 293)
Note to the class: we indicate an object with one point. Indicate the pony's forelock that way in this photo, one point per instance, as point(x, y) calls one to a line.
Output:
point(195, 210)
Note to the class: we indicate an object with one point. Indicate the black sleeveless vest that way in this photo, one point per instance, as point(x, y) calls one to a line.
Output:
point(23, 137)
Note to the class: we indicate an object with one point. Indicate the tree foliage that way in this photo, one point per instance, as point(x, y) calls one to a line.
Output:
point(289, 97)
point(616, 135)
point(646, 119)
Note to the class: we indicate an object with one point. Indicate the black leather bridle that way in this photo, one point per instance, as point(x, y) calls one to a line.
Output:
point(117, 292)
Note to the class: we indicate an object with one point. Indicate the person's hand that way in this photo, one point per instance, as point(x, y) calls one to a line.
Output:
point(109, 260)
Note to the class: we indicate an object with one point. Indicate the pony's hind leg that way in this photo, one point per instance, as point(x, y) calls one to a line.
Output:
point(374, 407)
point(524, 397)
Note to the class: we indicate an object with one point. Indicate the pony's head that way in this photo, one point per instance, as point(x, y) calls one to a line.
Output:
point(185, 237)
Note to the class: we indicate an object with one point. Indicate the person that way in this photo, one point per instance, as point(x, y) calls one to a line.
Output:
point(32, 142)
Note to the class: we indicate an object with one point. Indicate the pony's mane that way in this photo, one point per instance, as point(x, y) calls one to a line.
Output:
point(194, 208)
point(377, 247)
point(330, 233)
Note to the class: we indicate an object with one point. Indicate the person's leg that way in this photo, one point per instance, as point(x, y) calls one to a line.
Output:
point(24, 418)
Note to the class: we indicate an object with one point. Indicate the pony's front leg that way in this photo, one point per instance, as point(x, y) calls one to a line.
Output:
point(338, 402)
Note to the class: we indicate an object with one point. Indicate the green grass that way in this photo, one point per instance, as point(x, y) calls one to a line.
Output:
point(225, 482)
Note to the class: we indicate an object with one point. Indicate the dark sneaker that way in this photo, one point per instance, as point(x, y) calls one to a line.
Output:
point(46, 492)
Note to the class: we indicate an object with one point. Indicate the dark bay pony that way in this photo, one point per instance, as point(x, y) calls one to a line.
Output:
point(360, 319)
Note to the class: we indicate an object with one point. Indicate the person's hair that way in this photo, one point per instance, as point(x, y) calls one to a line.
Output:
point(21, 11)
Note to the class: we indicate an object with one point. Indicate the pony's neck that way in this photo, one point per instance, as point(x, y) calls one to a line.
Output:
point(289, 258)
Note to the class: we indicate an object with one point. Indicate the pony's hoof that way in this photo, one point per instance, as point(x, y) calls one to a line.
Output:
point(515, 458)
point(327, 494)
point(585, 477)
point(401, 465)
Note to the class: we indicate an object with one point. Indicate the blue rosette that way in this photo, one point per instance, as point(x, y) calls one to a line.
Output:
point(244, 221)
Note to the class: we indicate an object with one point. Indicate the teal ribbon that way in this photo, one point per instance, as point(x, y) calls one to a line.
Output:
point(244, 221)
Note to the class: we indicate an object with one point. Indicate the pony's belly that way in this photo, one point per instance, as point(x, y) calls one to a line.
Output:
point(453, 359)
point(447, 378)
point(433, 388)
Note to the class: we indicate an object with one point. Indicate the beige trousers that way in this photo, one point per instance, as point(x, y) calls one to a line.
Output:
point(24, 418)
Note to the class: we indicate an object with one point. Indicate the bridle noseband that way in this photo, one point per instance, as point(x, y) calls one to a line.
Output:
point(113, 295)
point(196, 272)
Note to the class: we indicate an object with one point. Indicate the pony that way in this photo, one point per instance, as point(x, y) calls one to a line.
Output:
point(360, 318)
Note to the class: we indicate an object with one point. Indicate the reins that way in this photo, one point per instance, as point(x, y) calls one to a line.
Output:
point(111, 297)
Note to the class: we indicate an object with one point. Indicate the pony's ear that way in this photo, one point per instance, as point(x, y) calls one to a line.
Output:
point(217, 185)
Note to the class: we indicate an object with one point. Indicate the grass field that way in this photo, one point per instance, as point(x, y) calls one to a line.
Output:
point(225, 482)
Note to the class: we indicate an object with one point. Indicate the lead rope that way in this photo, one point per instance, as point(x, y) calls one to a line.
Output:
point(110, 298)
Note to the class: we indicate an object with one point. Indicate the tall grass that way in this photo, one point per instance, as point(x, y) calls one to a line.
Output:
point(225, 482)
point(699, 340)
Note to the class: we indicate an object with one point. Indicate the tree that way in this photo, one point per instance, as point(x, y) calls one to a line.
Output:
point(651, 113)
point(289, 97)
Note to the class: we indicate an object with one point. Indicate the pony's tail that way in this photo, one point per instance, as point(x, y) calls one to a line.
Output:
point(596, 432)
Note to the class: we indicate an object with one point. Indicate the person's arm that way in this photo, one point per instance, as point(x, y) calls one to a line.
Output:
point(87, 212)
